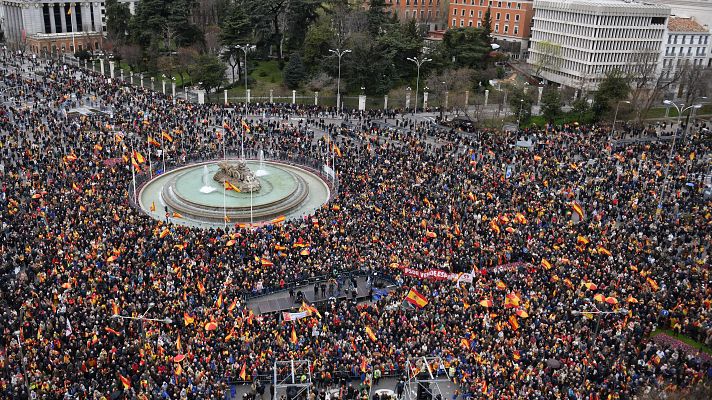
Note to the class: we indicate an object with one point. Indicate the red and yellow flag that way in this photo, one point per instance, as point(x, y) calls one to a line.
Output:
point(153, 142)
point(219, 303)
point(125, 381)
point(166, 136)
point(243, 371)
point(187, 319)
point(546, 264)
point(416, 298)
point(370, 333)
point(293, 337)
point(245, 126)
point(577, 209)
point(513, 322)
point(230, 186)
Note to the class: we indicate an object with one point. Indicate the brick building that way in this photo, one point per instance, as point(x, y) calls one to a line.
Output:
point(430, 12)
point(511, 21)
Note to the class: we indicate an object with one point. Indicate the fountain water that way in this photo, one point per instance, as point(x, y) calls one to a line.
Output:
point(261, 171)
point(206, 186)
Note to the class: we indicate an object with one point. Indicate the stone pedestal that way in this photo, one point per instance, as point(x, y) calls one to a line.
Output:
point(225, 95)
point(271, 96)
point(486, 96)
point(101, 65)
point(407, 99)
point(112, 65)
point(425, 100)
point(249, 95)
point(201, 96)
point(362, 102)
point(385, 102)
point(294, 97)
point(316, 98)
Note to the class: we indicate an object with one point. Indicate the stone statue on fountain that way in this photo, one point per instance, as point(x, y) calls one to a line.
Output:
point(239, 175)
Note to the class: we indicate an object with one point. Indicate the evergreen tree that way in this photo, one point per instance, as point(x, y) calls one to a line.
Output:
point(117, 20)
point(294, 71)
point(377, 16)
point(487, 25)
point(551, 104)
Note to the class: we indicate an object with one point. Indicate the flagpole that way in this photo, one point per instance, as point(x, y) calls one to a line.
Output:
point(133, 170)
point(224, 191)
point(150, 165)
point(163, 152)
point(250, 209)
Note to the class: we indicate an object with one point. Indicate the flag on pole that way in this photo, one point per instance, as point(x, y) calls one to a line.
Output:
point(416, 298)
point(166, 136)
point(243, 371)
point(370, 333)
point(577, 209)
point(293, 337)
point(125, 381)
point(245, 126)
point(68, 331)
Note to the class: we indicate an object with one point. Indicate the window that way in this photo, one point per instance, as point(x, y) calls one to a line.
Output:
point(454, 11)
point(479, 24)
point(462, 23)
point(454, 22)
point(496, 28)
point(506, 17)
point(516, 17)
point(498, 16)
point(506, 28)
point(463, 12)
point(469, 23)
point(479, 14)
point(516, 30)
point(472, 13)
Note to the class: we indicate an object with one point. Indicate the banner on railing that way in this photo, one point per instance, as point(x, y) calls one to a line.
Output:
point(437, 275)
point(293, 316)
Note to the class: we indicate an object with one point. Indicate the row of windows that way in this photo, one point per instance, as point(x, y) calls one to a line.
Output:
point(590, 19)
point(589, 43)
point(422, 14)
point(670, 63)
point(498, 16)
point(496, 29)
point(499, 4)
point(415, 2)
point(599, 33)
point(701, 39)
point(670, 51)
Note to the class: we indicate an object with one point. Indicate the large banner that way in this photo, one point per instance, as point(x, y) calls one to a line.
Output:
point(437, 275)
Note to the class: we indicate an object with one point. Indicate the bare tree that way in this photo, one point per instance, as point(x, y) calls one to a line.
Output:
point(456, 82)
point(547, 56)
point(648, 83)
point(131, 53)
point(186, 58)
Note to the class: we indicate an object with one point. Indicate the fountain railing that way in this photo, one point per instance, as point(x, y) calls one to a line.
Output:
point(312, 165)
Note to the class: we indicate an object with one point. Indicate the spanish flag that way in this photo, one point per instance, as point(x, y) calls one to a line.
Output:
point(265, 262)
point(245, 126)
point(604, 251)
point(415, 298)
point(135, 164)
point(232, 305)
point(178, 345)
point(516, 355)
point(71, 157)
point(230, 335)
point(230, 186)
point(546, 264)
point(153, 142)
point(164, 233)
point(187, 319)
point(139, 157)
point(577, 209)
point(125, 381)
point(153, 206)
point(370, 333)
point(364, 364)
point(513, 322)
point(494, 227)
point(166, 136)
point(177, 215)
point(310, 309)
point(582, 240)
point(219, 303)
point(243, 371)
point(201, 288)
point(114, 308)
point(511, 301)
point(653, 284)
point(293, 337)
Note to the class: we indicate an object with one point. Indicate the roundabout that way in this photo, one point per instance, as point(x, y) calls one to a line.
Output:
point(195, 195)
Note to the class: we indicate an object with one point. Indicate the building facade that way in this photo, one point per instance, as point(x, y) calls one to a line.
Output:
point(687, 44)
point(430, 12)
point(577, 42)
point(53, 27)
point(510, 21)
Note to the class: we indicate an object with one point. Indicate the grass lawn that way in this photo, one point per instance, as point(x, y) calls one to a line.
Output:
point(695, 344)
point(264, 75)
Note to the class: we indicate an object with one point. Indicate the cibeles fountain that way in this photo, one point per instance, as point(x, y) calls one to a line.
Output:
point(233, 191)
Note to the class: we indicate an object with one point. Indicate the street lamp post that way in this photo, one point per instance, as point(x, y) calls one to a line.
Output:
point(340, 53)
point(680, 111)
point(615, 117)
point(519, 115)
point(418, 62)
point(244, 49)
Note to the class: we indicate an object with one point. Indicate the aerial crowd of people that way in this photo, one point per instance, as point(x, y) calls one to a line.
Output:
point(561, 261)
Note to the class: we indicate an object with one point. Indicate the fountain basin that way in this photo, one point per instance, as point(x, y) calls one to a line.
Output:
point(287, 190)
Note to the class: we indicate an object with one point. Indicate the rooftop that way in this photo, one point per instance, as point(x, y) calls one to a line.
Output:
point(604, 4)
point(680, 24)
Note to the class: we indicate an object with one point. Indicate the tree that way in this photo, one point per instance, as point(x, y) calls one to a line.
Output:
point(467, 47)
point(613, 88)
point(547, 56)
point(317, 43)
point(487, 25)
point(456, 82)
point(377, 16)
point(186, 58)
point(236, 27)
point(117, 20)
point(520, 103)
point(551, 104)
point(131, 53)
point(294, 71)
point(165, 22)
point(208, 70)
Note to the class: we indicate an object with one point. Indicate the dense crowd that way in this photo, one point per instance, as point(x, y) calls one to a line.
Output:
point(75, 252)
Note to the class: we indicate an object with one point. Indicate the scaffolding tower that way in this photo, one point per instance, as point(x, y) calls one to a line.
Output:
point(424, 375)
point(288, 377)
